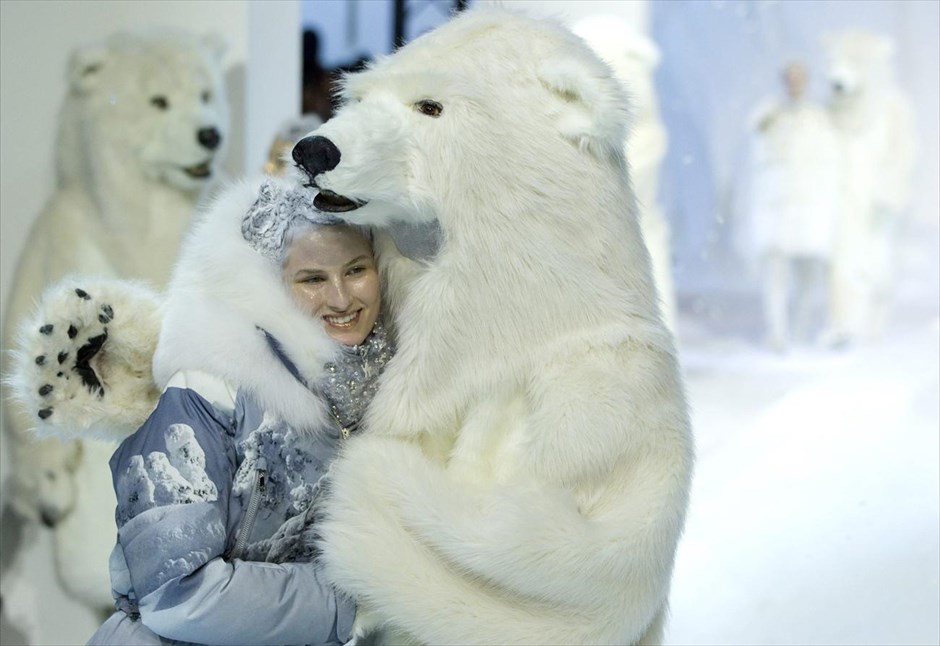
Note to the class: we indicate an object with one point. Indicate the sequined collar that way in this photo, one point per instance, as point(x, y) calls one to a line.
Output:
point(350, 382)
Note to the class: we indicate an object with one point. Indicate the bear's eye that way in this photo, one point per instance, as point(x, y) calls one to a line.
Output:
point(429, 108)
point(159, 102)
point(206, 96)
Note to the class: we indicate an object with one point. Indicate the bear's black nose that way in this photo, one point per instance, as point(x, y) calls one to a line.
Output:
point(209, 138)
point(48, 518)
point(316, 155)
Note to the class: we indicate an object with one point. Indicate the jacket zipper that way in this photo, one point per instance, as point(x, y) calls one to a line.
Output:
point(344, 431)
point(254, 502)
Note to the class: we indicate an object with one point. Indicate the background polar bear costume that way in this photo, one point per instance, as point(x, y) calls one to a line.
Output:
point(875, 121)
point(634, 58)
point(140, 134)
point(524, 472)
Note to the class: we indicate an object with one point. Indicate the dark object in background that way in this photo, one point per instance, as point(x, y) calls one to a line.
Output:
point(319, 83)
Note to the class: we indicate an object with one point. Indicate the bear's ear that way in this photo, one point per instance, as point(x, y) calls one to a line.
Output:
point(591, 108)
point(644, 50)
point(216, 44)
point(884, 48)
point(85, 66)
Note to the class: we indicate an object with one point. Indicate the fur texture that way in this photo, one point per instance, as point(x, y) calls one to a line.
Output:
point(526, 464)
point(139, 141)
point(46, 377)
point(634, 57)
point(210, 312)
point(876, 125)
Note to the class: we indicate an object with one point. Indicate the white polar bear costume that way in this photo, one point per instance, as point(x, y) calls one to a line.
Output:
point(876, 125)
point(634, 58)
point(524, 471)
point(139, 143)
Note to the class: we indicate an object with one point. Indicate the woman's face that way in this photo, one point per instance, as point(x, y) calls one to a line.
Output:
point(332, 275)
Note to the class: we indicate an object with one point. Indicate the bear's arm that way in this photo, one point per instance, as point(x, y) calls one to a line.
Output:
point(596, 501)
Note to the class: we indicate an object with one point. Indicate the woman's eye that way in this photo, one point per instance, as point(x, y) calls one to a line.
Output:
point(313, 279)
point(356, 270)
point(159, 102)
point(429, 108)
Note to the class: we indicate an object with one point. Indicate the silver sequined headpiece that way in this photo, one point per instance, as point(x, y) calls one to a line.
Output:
point(277, 209)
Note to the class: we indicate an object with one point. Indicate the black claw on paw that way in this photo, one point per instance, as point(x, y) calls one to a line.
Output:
point(40, 360)
point(82, 294)
point(45, 390)
point(46, 329)
point(62, 357)
point(45, 413)
point(84, 355)
point(73, 331)
point(107, 313)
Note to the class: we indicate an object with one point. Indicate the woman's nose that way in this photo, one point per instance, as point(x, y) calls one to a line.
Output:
point(338, 298)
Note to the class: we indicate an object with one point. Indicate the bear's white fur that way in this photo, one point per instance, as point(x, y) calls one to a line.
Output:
point(634, 58)
point(876, 124)
point(139, 140)
point(525, 469)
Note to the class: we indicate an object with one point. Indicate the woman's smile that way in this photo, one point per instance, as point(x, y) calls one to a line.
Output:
point(342, 320)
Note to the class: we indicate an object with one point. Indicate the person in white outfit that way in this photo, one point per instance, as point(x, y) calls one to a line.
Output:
point(794, 207)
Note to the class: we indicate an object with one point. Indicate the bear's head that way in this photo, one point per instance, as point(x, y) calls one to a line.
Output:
point(154, 104)
point(858, 63)
point(493, 112)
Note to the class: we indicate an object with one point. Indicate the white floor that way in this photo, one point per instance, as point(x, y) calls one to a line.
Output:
point(815, 515)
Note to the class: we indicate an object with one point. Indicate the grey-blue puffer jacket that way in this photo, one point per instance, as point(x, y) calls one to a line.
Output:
point(214, 489)
point(212, 496)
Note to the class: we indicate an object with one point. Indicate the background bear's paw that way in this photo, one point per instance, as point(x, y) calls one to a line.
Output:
point(82, 361)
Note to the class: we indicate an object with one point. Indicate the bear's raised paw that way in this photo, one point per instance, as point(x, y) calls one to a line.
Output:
point(82, 363)
point(66, 346)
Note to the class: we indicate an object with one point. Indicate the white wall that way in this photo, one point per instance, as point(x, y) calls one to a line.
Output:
point(35, 41)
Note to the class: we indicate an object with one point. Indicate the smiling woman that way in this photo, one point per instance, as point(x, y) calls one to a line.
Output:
point(332, 275)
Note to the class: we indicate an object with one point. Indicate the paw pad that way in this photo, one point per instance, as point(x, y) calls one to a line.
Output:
point(107, 314)
point(75, 336)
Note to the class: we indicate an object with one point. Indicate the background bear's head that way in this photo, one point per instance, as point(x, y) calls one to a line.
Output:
point(153, 104)
point(858, 64)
